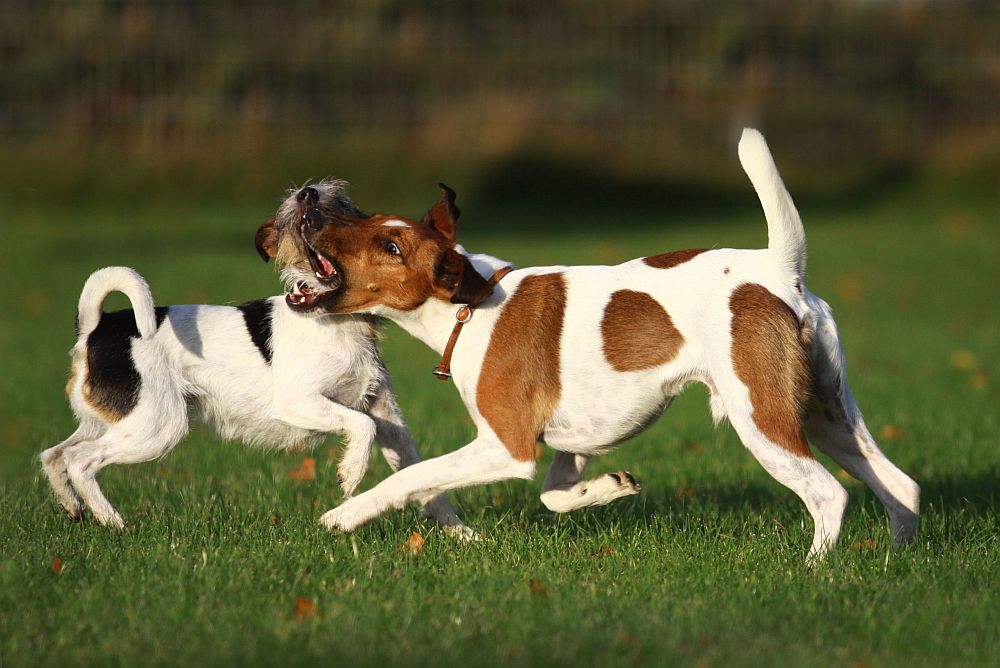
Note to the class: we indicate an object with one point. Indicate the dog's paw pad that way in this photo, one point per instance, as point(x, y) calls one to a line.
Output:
point(626, 481)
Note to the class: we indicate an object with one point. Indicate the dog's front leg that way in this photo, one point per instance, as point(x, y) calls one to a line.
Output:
point(562, 490)
point(483, 461)
point(399, 451)
point(318, 413)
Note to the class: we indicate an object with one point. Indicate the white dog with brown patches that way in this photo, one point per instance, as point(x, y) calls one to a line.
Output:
point(263, 372)
point(582, 358)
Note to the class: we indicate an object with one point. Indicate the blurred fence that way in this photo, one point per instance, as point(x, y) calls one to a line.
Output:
point(635, 85)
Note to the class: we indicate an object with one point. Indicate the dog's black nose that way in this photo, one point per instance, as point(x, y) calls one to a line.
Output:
point(315, 219)
point(309, 196)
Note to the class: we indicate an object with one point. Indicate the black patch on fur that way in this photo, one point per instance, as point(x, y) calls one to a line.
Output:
point(257, 316)
point(112, 379)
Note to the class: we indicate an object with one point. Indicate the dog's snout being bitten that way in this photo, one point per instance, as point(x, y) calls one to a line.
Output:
point(308, 196)
point(314, 219)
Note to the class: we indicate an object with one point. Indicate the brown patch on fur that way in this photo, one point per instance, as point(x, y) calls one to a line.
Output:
point(423, 265)
point(638, 333)
point(771, 357)
point(96, 400)
point(72, 379)
point(266, 240)
point(519, 383)
point(669, 260)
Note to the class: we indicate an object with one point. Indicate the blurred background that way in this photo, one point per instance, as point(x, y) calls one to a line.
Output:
point(563, 99)
point(159, 135)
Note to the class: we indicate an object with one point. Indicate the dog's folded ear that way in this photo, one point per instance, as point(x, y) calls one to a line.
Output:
point(443, 216)
point(456, 275)
point(267, 240)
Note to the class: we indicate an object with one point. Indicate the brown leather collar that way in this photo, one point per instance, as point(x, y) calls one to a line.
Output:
point(462, 316)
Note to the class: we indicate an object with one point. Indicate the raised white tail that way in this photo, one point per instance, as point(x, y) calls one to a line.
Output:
point(785, 237)
point(116, 279)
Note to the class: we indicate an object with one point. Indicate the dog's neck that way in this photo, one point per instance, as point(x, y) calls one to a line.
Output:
point(433, 321)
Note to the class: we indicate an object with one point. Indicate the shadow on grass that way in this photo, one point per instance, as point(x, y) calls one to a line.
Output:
point(944, 499)
point(525, 191)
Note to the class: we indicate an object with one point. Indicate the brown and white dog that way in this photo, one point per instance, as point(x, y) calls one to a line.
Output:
point(582, 358)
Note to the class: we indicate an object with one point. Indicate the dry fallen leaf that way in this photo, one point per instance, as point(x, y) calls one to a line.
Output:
point(305, 471)
point(978, 380)
point(891, 432)
point(36, 303)
point(304, 608)
point(609, 252)
point(603, 551)
point(414, 545)
point(694, 447)
point(627, 638)
point(963, 359)
point(850, 288)
point(56, 565)
point(684, 491)
point(866, 544)
point(537, 588)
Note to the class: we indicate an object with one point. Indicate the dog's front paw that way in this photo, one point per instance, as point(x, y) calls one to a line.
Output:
point(463, 533)
point(341, 519)
point(349, 478)
point(73, 509)
point(112, 521)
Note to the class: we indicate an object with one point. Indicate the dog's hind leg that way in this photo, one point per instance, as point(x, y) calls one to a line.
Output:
point(562, 490)
point(150, 431)
point(764, 384)
point(824, 497)
point(835, 425)
point(54, 467)
point(850, 444)
point(117, 446)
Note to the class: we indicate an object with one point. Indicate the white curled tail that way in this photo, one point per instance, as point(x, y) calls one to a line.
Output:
point(785, 237)
point(116, 279)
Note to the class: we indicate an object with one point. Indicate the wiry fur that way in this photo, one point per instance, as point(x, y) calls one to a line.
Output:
point(788, 356)
point(324, 376)
point(332, 197)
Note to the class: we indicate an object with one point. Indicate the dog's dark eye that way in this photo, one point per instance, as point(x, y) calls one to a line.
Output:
point(392, 248)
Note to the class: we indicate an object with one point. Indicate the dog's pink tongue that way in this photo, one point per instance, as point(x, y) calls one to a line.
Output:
point(326, 266)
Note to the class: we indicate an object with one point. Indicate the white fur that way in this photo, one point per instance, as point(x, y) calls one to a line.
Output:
point(599, 406)
point(325, 377)
point(395, 223)
point(785, 236)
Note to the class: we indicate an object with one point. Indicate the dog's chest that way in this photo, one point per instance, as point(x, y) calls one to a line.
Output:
point(338, 360)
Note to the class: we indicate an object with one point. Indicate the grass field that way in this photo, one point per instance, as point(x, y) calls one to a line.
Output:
point(704, 568)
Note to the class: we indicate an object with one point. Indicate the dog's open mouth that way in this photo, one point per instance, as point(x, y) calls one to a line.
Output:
point(304, 297)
